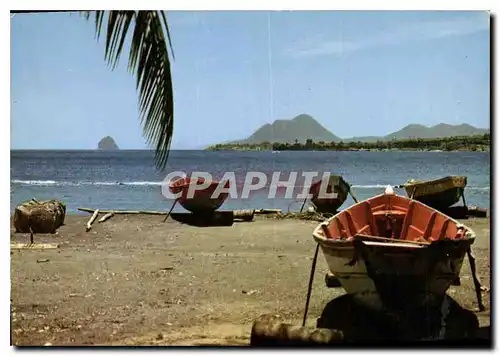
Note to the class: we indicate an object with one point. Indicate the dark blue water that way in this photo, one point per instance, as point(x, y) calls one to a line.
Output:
point(128, 179)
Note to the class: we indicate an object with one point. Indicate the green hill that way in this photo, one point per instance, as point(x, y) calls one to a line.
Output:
point(300, 128)
point(440, 130)
point(421, 131)
point(304, 127)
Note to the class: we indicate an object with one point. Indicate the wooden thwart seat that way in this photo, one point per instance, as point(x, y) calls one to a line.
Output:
point(416, 229)
point(407, 221)
point(430, 225)
point(363, 220)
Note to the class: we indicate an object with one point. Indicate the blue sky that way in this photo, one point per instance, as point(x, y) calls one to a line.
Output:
point(358, 73)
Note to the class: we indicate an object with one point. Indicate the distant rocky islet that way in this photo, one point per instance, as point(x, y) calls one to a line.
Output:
point(107, 143)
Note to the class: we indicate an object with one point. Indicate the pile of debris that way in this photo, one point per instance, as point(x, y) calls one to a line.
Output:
point(42, 217)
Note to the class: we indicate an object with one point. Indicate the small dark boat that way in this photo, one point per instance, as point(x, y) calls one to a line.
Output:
point(439, 193)
point(203, 200)
point(390, 250)
point(335, 184)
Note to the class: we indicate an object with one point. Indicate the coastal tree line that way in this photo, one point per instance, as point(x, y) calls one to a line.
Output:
point(456, 143)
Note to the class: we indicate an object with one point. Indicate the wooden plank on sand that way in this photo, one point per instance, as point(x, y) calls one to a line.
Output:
point(88, 210)
point(106, 217)
point(267, 211)
point(33, 246)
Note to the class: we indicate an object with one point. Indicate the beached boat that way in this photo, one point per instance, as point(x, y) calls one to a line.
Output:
point(390, 250)
point(335, 184)
point(203, 200)
point(439, 193)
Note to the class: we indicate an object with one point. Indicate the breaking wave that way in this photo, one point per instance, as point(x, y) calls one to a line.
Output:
point(382, 186)
point(151, 183)
point(66, 183)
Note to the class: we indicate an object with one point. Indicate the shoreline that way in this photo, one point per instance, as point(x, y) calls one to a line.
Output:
point(346, 150)
point(289, 215)
point(208, 149)
point(135, 280)
point(479, 143)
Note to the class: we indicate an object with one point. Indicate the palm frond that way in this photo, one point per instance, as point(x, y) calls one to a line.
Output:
point(149, 60)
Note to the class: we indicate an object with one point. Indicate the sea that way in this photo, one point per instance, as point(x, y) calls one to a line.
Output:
point(129, 180)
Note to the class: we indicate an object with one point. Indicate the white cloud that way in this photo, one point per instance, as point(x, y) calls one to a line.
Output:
point(402, 34)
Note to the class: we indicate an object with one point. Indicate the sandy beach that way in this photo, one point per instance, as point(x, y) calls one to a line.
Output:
point(135, 280)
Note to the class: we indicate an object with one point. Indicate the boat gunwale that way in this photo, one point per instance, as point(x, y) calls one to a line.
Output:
point(436, 181)
point(349, 245)
point(173, 184)
point(336, 243)
point(343, 184)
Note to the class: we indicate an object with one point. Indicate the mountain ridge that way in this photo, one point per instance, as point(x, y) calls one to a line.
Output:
point(304, 126)
point(300, 128)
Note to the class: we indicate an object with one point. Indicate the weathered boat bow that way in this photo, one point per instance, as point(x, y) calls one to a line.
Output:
point(333, 184)
point(391, 248)
point(396, 258)
point(202, 201)
point(438, 193)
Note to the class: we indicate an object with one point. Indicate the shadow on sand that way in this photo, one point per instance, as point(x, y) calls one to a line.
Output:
point(361, 325)
point(217, 218)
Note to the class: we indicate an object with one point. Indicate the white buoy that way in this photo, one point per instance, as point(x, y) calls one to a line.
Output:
point(389, 190)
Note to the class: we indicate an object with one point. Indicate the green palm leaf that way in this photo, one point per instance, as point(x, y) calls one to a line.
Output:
point(149, 59)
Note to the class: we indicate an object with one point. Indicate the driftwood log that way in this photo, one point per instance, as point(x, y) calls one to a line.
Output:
point(244, 215)
point(269, 330)
point(217, 217)
point(92, 219)
point(268, 211)
point(145, 212)
point(39, 216)
point(106, 217)
point(32, 246)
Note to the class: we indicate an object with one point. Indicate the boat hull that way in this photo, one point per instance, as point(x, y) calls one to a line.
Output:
point(336, 184)
point(203, 201)
point(382, 278)
point(391, 252)
point(203, 204)
point(439, 194)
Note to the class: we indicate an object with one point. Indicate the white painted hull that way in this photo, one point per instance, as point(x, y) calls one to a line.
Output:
point(398, 266)
point(354, 279)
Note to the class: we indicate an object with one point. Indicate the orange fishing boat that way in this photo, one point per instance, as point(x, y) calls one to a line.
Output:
point(390, 250)
point(204, 200)
point(334, 184)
